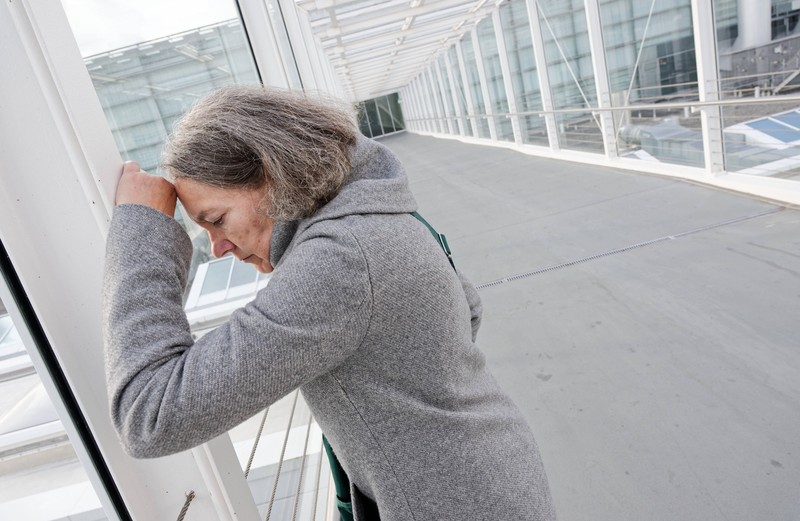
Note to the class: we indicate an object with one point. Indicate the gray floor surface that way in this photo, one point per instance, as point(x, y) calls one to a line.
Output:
point(662, 381)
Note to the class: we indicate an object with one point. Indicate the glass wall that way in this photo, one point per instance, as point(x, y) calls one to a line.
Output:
point(460, 99)
point(447, 93)
point(379, 116)
point(470, 64)
point(40, 474)
point(522, 65)
point(145, 80)
point(650, 55)
point(758, 64)
point(494, 79)
point(569, 63)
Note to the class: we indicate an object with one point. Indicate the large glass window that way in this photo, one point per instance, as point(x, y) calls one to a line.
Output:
point(40, 475)
point(522, 65)
point(758, 63)
point(650, 56)
point(447, 92)
point(380, 116)
point(460, 97)
point(152, 61)
point(475, 86)
point(569, 64)
point(494, 79)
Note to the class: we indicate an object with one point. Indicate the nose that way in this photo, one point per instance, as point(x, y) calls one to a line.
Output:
point(220, 246)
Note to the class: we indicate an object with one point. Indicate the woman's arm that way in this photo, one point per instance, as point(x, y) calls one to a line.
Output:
point(169, 393)
point(475, 304)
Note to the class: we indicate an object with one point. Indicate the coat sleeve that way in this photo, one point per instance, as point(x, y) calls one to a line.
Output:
point(169, 393)
point(475, 304)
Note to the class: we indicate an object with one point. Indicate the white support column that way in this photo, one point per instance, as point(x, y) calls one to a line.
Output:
point(467, 90)
point(61, 160)
point(543, 74)
point(507, 80)
point(487, 101)
point(708, 85)
point(442, 93)
point(265, 46)
point(598, 51)
point(420, 107)
point(454, 93)
point(302, 52)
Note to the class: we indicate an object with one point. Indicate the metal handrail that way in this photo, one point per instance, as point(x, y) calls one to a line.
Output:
point(649, 106)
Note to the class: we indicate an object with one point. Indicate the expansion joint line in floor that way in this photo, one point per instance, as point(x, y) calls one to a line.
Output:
point(665, 238)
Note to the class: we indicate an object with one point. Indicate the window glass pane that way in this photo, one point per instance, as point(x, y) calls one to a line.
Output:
point(460, 99)
point(522, 65)
point(758, 46)
point(384, 114)
point(494, 79)
point(569, 65)
point(40, 475)
point(471, 66)
point(242, 273)
point(217, 276)
point(396, 108)
point(650, 58)
point(447, 92)
point(147, 70)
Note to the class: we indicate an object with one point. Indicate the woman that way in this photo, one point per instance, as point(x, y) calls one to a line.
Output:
point(364, 313)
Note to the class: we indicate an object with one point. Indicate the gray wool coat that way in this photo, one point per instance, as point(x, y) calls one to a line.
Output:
point(363, 313)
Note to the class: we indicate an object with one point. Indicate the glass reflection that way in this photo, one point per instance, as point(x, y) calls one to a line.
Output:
point(471, 66)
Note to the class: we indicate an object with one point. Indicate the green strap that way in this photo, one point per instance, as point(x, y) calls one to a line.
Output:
point(341, 482)
point(440, 238)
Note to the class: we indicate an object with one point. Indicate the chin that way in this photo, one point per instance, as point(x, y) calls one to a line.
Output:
point(263, 267)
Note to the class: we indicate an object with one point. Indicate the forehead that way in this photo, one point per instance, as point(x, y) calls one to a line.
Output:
point(201, 199)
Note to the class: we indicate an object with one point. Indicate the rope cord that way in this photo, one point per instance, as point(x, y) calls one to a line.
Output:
point(189, 498)
point(280, 460)
point(255, 444)
point(302, 468)
point(316, 484)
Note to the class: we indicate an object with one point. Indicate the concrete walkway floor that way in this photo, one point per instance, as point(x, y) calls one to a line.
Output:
point(662, 381)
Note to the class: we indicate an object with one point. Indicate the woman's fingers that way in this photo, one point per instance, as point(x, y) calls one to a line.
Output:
point(138, 187)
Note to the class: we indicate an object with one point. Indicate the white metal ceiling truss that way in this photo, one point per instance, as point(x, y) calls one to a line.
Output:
point(379, 46)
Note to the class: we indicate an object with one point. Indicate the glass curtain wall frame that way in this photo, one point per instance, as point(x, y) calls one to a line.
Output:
point(467, 91)
point(395, 103)
point(57, 111)
point(49, 456)
point(523, 72)
point(570, 69)
point(424, 115)
point(649, 50)
point(433, 98)
point(457, 84)
point(468, 46)
point(756, 67)
point(436, 88)
point(446, 94)
point(495, 86)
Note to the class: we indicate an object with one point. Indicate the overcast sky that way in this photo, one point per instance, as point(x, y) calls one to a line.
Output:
point(103, 25)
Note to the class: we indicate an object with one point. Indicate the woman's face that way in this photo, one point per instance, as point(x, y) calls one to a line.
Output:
point(233, 217)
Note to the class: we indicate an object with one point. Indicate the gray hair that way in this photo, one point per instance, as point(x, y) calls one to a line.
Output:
point(296, 146)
